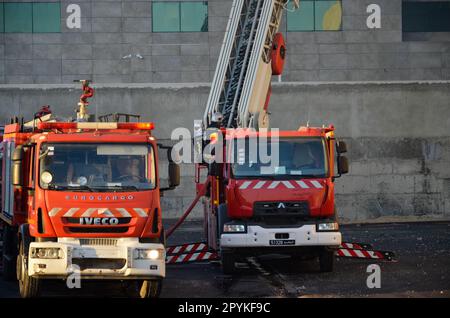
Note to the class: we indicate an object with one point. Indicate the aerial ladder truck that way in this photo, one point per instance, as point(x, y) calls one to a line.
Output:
point(81, 198)
point(250, 207)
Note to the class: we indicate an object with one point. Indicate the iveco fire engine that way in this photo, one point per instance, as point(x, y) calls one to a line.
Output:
point(83, 197)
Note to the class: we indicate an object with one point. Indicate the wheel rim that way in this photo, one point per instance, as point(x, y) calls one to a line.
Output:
point(145, 289)
point(21, 268)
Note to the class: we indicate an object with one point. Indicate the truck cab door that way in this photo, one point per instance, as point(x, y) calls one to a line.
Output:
point(7, 187)
point(31, 179)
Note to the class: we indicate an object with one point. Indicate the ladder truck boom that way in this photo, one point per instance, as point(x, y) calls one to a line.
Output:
point(241, 83)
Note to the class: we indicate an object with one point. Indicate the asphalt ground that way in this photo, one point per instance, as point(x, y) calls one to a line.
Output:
point(421, 269)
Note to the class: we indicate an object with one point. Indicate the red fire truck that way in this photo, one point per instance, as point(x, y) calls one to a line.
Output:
point(251, 206)
point(254, 207)
point(83, 198)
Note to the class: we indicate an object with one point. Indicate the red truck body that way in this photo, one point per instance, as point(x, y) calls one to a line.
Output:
point(248, 212)
point(110, 229)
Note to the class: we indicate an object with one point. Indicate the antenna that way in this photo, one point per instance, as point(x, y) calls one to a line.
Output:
point(308, 116)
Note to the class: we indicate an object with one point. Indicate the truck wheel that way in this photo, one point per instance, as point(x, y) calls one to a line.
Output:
point(228, 263)
point(9, 254)
point(326, 260)
point(28, 286)
point(150, 288)
point(144, 288)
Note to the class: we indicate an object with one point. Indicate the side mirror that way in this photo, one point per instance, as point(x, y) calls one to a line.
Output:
point(341, 147)
point(173, 169)
point(343, 165)
point(174, 175)
point(17, 157)
point(214, 169)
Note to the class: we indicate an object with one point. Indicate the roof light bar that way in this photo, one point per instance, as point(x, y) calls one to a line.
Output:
point(136, 126)
point(46, 126)
point(96, 126)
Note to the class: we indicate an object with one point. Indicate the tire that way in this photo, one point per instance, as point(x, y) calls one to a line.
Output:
point(144, 288)
point(303, 257)
point(28, 286)
point(326, 260)
point(9, 254)
point(228, 263)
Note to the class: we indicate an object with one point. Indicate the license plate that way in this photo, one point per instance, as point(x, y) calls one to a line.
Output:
point(281, 242)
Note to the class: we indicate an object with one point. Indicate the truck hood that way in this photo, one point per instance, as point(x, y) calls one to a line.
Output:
point(247, 192)
point(97, 213)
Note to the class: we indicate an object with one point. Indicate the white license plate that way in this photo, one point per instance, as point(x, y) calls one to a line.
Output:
point(281, 242)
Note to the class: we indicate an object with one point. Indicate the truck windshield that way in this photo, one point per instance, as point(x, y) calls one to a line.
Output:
point(299, 156)
point(97, 167)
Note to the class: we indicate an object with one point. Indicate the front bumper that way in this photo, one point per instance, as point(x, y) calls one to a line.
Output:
point(93, 260)
point(257, 236)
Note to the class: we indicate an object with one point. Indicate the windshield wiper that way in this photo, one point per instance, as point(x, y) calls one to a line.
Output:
point(310, 176)
point(71, 188)
point(262, 176)
point(118, 187)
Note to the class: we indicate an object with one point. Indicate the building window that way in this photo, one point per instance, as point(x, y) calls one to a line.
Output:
point(180, 16)
point(46, 17)
point(316, 15)
point(39, 17)
point(18, 17)
point(433, 16)
point(166, 16)
point(2, 19)
point(194, 17)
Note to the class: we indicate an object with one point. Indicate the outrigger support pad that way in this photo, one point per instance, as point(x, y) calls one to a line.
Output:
point(199, 251)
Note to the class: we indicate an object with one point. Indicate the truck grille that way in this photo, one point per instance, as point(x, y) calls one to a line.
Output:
point(277, 208)
point(99, 263)
point(281, 213)
point(99, 241)
point(116, 229)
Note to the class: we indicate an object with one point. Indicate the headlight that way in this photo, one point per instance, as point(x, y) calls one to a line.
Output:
point(327, 227)
point(46, 177)
point(234, 228)
point(46, 253)
point(152, 254)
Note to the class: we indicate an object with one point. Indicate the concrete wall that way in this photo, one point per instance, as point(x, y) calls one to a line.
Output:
point(113, 29)
point(398, 134)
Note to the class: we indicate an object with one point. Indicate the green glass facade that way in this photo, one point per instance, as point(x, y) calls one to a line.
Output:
point(194, 17)
point(26, 17)
point(180, 16)
point(316, 15)
point(46, 17)
point(18, 17)
point(166, 16)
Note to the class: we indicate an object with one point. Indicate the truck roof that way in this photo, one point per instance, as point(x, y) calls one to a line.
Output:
point(301, 132)
point(82, 132)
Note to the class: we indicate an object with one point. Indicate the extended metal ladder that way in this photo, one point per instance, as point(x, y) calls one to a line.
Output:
point(243, 72)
